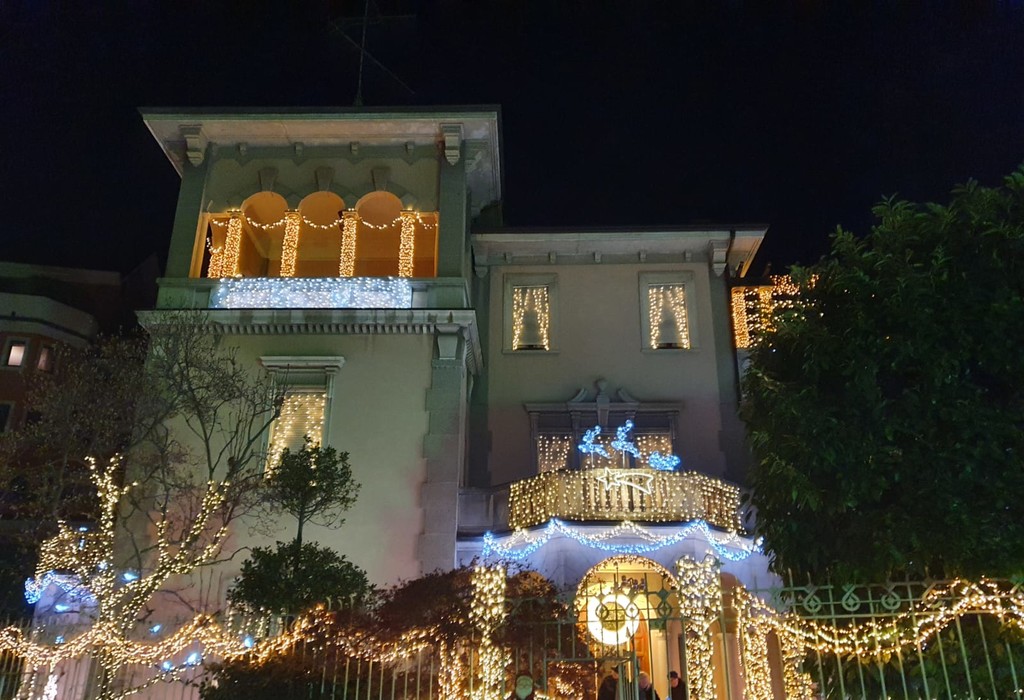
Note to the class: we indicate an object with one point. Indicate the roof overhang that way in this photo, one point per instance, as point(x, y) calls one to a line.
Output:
point(732, 245)
point(183, 133)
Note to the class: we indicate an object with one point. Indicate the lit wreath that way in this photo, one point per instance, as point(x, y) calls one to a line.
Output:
point(620, 635)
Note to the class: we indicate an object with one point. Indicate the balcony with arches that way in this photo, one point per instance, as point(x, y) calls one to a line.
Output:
point(322, 253)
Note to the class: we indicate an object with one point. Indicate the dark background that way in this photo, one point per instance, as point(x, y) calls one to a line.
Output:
point(800, 115)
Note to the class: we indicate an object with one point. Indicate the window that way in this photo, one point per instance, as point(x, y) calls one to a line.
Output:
point(665, 307)
point(302, 416)
point(44, 363)
point(553, 452)
point(308, 383)
point(5, 415)
point(558, 450)
point(530, 313)
point(15, 355)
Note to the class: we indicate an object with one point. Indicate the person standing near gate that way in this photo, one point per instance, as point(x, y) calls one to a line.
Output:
point(647, 691)
point(609, 689)
point(676, 686)
point(523, 689)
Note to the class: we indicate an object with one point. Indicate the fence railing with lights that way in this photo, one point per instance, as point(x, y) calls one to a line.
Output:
point(638, 494)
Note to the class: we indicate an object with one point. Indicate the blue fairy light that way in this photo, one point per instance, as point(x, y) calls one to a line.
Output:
point(665, 463)
point(589, 447)
point(622, 442)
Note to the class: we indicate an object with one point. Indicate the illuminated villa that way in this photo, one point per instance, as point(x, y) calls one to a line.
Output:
point(565, 399)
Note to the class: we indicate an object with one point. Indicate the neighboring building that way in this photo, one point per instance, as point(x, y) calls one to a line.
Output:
point(40, 308)
point(352, 254)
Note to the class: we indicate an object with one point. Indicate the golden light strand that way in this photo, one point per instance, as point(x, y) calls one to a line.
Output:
point(487, 613)
point(553, 452)
point(290, 244)
point(232, 248)
point(586, 495)
point(700, 605)
point(406, 245)
point(349, 229)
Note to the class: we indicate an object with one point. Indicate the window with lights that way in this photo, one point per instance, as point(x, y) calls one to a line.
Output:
point(556, 435)
point(306, 385)
point(665, 307)
point(530, 313)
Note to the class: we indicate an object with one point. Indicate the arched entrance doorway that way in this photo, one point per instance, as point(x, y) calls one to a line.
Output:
point(628, 610)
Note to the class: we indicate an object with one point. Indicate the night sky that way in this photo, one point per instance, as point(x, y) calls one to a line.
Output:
point(800, 115)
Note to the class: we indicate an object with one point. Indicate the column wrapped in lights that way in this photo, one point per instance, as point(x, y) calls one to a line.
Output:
point(216, 268)
point(290, 244)
point(349, 229)
point(487, 613)
point(407, 243)
point(670, 298)
point(700, 605)
point(533, 303)
point(232, 247)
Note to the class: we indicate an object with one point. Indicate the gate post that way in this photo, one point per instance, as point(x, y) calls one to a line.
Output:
point(700, 603)
point(486, 614)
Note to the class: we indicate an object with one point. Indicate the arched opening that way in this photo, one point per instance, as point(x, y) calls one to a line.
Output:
point(321, 238)
point(628, 610)
point(319, 235)
point(393, 241)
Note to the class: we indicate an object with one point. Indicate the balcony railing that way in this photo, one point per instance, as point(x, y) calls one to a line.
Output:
point(639, 494)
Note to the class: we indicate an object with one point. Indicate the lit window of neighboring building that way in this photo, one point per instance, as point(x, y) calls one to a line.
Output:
point(45, 361)
point(16, 353)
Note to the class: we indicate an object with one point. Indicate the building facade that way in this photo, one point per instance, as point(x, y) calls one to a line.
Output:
point(562, 398)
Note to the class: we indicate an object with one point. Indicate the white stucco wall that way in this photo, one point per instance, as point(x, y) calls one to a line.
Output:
point(378, 416)
point(599, 335)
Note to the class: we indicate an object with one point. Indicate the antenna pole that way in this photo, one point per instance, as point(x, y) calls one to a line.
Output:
point(362, 54)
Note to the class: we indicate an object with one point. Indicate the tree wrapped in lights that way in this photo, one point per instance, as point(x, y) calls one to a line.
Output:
point(191, 465)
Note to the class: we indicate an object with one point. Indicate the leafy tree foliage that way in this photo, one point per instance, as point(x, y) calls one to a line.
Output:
point(292, 577)
point(886, 408)
point(313, 485)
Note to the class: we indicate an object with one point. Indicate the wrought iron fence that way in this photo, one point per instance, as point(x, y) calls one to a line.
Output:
point(911, 640)
point(906, 640)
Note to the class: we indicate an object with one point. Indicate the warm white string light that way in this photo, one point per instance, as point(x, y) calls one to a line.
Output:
point(302, 416)
point(533, 301)
point(553, 452)
point(611, 494)
point(406, 245)
point(232, 248)
point(347, 259)
point(670, 298)
point(333, 225)
point(486, 613)
point(290, 244)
